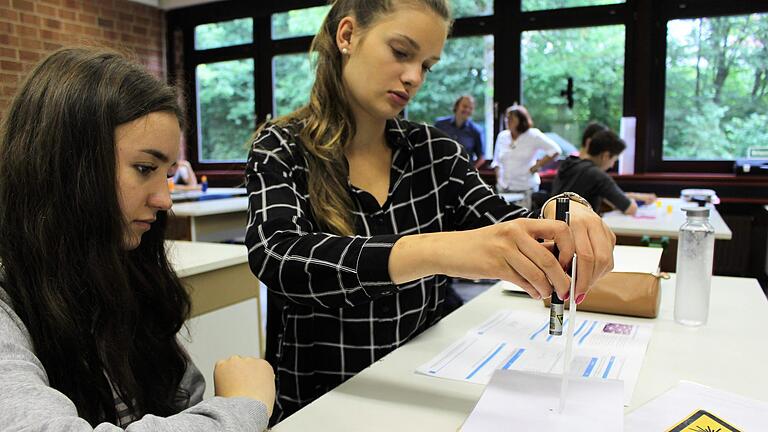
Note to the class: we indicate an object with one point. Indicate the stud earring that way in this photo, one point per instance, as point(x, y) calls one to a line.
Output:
point(345, 51)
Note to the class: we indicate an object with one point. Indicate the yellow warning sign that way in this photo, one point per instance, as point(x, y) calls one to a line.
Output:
point(703, 421)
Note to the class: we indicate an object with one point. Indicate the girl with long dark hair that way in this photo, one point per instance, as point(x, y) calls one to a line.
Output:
point(89, 306)
point(357, 217)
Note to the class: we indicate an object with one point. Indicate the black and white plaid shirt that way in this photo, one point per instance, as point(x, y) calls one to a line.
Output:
point(333, 309)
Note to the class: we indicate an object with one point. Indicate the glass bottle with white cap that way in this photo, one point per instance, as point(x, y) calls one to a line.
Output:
point(695, 251)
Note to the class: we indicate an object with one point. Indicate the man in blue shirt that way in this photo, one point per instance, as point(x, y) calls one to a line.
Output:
point(460, 127)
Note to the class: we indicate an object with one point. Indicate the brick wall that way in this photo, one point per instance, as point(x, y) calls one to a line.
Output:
point(31, 29)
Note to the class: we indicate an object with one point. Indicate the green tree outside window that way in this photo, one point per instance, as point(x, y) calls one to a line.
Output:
point(470, 8)
point(716, 99)
point(299, 22)
point(534, 5)
point(225, 99)
point(292, 82)
point(594, 58)
point(225, 33)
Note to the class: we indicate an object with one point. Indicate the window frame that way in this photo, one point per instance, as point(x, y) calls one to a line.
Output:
point(668, 11)
point(644, 65)
point(261, 50)
point(571, 18)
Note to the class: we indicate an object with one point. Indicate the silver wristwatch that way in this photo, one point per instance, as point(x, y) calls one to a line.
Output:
point(573, 196)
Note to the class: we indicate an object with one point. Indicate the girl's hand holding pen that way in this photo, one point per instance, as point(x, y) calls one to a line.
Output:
point(594, 242)
point(511, 251)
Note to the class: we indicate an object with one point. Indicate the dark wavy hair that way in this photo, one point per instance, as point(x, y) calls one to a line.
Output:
point(93, 309)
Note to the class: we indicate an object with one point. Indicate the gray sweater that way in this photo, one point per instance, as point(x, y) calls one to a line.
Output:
point(29, 403)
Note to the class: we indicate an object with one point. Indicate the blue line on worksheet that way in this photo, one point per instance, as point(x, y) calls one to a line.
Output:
point(608, 369)
point(539, 330)
point(590, 366)
point(594, 323)
point(486, 360)
point(583, 323)
point(514, 358)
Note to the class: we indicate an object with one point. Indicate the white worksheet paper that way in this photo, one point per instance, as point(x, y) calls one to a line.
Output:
point(520, 340)
point(528, 401)
point(687, 397)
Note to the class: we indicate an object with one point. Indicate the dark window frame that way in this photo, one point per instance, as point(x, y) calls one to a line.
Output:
point(644, 65)
point(517, 22)
point(261, 50)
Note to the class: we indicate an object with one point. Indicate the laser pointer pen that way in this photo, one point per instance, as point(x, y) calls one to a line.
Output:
point(556, 303)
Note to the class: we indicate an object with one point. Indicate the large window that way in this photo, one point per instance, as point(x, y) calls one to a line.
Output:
point(225, 109)
point(292, 73)
point(466, 67)
point(691, 72)
point(573, 76)
point(716, 95)
point(223, 92)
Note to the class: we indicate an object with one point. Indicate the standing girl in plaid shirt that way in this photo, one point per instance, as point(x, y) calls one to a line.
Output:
point(357, 217)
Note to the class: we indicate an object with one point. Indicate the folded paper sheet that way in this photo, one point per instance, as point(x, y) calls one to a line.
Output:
point(528, 401)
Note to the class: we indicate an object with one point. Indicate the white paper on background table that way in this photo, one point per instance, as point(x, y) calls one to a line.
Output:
point(527, 401)
point(636, 259)
point(519, 340)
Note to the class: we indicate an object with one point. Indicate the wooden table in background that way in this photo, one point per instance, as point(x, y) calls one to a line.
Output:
point(656, 222)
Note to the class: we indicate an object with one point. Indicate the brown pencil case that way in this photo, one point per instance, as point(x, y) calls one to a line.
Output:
point(623, 293)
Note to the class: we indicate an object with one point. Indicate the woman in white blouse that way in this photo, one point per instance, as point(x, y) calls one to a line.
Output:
point(515, 154)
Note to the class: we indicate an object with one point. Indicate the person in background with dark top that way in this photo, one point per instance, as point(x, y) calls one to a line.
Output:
point(586, 174)
point(89, 305)
point(594, 127)
point(461, 128)
point(356, 217)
